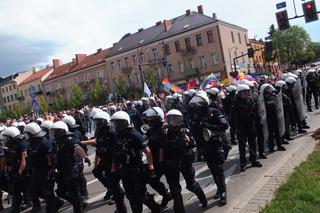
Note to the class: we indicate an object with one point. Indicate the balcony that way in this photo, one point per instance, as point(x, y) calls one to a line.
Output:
point(190, 72)
point(126, 69)
point(188, 51)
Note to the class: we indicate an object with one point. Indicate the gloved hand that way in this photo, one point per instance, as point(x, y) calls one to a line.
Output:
point(87, 160)
point(152, 173)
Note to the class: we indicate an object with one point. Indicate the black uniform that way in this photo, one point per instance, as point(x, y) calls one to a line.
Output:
point(179, 157)
point(227, 105)
point(312, 90)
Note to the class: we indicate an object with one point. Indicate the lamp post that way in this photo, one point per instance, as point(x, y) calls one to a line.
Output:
point(230, 61)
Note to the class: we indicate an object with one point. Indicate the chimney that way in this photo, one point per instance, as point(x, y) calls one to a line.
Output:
point(158, 23)
point(56, 63)
point(167, 24)
point(80, 57)
point(200, 9)
point(188, 12)
point(99, 50)
point(140, 30)
point(214, 15)
point(34, 69)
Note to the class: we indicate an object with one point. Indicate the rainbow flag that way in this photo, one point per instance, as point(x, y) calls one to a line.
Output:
point(167, 86)
point(210, 80)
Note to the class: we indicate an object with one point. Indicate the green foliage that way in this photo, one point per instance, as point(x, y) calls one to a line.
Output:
point(60, 103)
point(76, 100)
point(98, 94)
point(122, 87)
point(292, 45)
point(302, 190)
point(151, 77)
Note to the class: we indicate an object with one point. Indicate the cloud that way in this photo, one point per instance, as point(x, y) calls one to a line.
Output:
point(20, 54)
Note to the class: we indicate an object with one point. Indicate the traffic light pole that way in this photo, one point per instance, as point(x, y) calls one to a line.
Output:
point(234, 59)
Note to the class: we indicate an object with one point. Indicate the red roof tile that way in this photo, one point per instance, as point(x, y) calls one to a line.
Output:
point(71, 67)
point(36, 75)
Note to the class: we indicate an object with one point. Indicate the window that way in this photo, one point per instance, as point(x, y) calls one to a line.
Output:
point(12, 98)
point(170, 70)
point(188, 44)
point(141, 57)
point(210, 36)
point(16, 96)
point(126, 62)
point(119, 64)
point(4, 100)
point(2, 90)
point(177, 44)
point(48, 89)
point(199, 39)
point(202, 61)
point(138, 77)
point(130, 82)
point(134, 58)
point(39, 87)
point(155, 55)
point(114, 82)
point(242, 56)
point(25, 92)
point(245, 38)
point(98, 75)
point(181, 66)
point(10, 88)
point(21, 93)
point(191, 63)
point(214, 59)
point(239, 38)
point(14, 86)
point(86, 78)
point(8, 99)
point(232, 37)
point(112, 65)
point(6, 89)
point(167, 49)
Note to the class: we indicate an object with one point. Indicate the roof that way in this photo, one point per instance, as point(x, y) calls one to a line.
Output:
point(71, 67)
point(155, 33)
point(36, 75)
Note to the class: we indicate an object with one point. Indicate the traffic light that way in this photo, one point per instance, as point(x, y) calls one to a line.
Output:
point(250, 53)
point(268, 47)
point(282, 19)
point(310, 11)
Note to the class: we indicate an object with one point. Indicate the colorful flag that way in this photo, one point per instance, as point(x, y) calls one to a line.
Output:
point(210, 80)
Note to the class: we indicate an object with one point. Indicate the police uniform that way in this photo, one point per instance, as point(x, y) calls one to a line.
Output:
point(179, 157)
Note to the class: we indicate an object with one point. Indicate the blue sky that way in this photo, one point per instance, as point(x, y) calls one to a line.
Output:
point(32, 32)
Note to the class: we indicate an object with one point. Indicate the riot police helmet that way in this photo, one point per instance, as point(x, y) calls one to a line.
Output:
point(200, 99)
point(153, 116)
point(11, 133)
point(231, 89)
point(242, 87)
point(290, 80)
point(94, 111)
point(70, 121)
point(120, 121)
point(247, 82)
point(46, 125)
point(290, 74)
point(174, 118)
point(281, 84)
point(213, 91)
point(267, 89)
point(39, 121)
point(33, 130)
point(59, 129)
point(101, 119)
point(21, 125)
point(191, 92)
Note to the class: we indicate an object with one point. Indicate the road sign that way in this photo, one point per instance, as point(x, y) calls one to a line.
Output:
point(281, 5)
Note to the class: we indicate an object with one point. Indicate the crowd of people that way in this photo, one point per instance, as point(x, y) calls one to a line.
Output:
point(137, 142)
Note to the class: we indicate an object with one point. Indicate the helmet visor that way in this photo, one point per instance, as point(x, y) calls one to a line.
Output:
point(174, 120)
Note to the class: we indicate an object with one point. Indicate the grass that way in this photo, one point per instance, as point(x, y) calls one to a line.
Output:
point(301, 193)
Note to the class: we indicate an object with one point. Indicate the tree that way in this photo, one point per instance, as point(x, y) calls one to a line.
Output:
point(75, 100)
point(60, 102)
point(271, 55)
point(292, 44)
point(121, 87)
point(151, 77)
point(272, 30)
point(98, 94)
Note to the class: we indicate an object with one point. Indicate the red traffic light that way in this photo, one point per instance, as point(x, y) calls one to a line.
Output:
point(309, 6)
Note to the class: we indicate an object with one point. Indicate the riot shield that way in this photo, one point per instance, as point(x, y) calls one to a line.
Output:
point(297, 92)
point(280, 113)
point(263, 117)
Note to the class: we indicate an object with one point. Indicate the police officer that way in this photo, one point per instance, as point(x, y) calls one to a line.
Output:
point(273, 126)
point(154, 119)
point(244, 112)
point(178, 155)
point(41, 164)
point(69, 164)
point(227, 105)
point(16, 161)
point(215, 151)
point(215, 100)
point(135, 116)
point(312, 89)
point(128, 147)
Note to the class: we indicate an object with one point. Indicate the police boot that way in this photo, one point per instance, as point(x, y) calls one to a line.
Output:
point(178, 204)
point(223, 199)
point(151, 203)
point(165, 199)
point(200, 194)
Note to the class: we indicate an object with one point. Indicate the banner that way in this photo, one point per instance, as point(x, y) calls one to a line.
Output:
point(210, 80)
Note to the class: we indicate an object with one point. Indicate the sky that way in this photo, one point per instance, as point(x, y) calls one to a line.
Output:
point(33, 32)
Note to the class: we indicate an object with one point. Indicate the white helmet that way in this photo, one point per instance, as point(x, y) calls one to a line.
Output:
point(144, 99)
point(298, 72)
point(2, 128)
point(311, 71)
point(14, 124)
point(176, 96)
point(280, 83)
point(191, 92)
point(11, 132)
point(34, 129)
point(102, 115)
point(174, 118)
point(60, 125)
point(231, 88)
point(47, 124)
point(21, 123)
point(213, 91)
point(291, 80)
point(265, 86)
point(40, 120)
point(153, 112)
point(284, 76)
point(121, 115)
point(249, 83)
point(290, 74)
point(241, 87)
point(200, 97)
point(139, 103)
point(94, 111)
point(70, 121)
